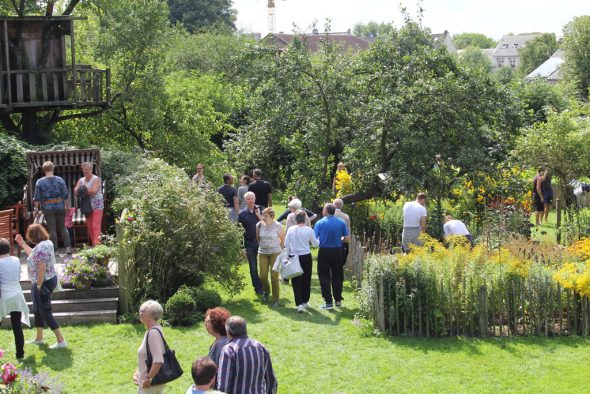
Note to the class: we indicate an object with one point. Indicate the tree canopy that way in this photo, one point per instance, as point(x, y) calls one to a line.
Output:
point(198, 15)
point(577, 57)
point(478, 40)
point(536, 51)
point(373, 29)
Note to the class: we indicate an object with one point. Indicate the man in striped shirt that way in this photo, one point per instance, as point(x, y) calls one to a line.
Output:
point(244, 365)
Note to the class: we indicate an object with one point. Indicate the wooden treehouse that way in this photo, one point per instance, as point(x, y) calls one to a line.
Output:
point(38, 70)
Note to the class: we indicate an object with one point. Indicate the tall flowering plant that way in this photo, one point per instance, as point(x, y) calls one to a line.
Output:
point(15, 380)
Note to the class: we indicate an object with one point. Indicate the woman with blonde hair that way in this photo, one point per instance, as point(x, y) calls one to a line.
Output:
point(93, 185)
point(43, 276)
point(271, 238)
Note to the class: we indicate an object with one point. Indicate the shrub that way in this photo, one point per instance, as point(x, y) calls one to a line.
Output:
point(180, 309)
point(99, 254)
point(13, 169)
point(172, 233)
point(206, 299)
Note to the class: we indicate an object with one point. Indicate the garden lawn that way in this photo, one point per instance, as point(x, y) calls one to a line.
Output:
point(323, 352)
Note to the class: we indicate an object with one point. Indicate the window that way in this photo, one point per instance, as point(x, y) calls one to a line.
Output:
point(505, 46)
point(512, 61)
point(500, 61)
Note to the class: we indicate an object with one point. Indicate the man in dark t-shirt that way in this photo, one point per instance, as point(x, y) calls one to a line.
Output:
point(230, 195)
point(261, 189)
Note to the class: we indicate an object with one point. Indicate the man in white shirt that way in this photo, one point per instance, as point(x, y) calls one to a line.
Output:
point(456, 227)
point(415, 217)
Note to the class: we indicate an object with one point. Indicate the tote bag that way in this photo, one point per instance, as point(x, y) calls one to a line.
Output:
point(170, 370)
point(291, 268)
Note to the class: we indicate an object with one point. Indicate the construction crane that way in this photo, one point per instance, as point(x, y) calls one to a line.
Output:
point(272, 17)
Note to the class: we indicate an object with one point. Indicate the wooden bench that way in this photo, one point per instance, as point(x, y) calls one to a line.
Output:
point(67, 164)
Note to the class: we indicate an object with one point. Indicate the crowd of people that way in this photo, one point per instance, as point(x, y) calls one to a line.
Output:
point(236, 363)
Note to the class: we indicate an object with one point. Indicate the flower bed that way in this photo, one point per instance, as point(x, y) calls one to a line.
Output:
point(520, 289)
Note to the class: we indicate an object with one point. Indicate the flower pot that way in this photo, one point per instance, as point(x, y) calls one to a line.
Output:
point(83, 285)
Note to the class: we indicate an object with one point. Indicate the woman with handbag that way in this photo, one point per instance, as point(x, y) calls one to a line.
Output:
point(271, 238)
point(153, 341)
point(93, 185)
point(298, 241)
point(43, 276)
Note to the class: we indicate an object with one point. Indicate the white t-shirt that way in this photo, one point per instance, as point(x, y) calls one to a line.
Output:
point(299, 239)
point(455, 227)
point(9, 270)
point(413, 212)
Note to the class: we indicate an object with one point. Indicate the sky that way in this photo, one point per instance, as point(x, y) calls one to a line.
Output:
point(493, 18)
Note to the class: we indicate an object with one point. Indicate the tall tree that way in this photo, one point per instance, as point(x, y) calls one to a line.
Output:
point(373, 29)
point(474, 59)
point(478, 40)
point(197, 15)
point(576, 41)
point(536, 51)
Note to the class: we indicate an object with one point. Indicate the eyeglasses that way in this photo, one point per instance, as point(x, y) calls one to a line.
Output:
point(142, 312)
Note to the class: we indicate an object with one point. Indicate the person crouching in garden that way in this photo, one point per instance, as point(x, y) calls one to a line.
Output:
point(271, 238)
point(248, 218)
point(298, 241)
point(149, 314)
point(43, 276)
point(454, 227)
point(93, 186)
point(12, 299)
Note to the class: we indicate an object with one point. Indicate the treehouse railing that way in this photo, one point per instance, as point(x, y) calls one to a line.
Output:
point(77, 87)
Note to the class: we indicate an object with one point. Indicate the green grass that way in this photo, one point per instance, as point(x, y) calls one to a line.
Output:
point(324, 352)
point(546, 232)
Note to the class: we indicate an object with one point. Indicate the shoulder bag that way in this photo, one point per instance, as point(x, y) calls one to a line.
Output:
point(170, 369)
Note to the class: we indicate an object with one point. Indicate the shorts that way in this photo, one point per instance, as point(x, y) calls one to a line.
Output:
point(539, 206)
point(548, 197)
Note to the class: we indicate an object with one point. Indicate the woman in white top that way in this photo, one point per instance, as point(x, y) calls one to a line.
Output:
point(149, 314)
point(94, 186)
point(271, 238)
point(12, 299)
point(298, 241)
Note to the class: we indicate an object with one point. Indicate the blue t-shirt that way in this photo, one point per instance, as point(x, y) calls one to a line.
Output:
point(51, 193)
point(330, 230)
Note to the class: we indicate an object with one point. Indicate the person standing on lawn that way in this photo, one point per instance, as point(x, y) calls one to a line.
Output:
point(338, 203)
point(230, 195)
point(249, 218)
point(538, 202)
point(547, 194)
point(203, 371)
point(149, 314)
point(415, 218)
point(332, 232)
point(261, 189)
point(245, 366)
point(271, 239)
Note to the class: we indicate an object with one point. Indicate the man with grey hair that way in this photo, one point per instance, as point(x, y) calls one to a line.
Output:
point(244, 366)
point(248, 218)
point(338, 204)
point(332, 232)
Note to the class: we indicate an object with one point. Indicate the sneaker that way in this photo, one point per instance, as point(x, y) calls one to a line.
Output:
point(300, 309)
point(305, 305)
point(265, 297)
point(338, 304)
point(59, 345)
point(35, 342)
point(326, 306)
point(275, 304)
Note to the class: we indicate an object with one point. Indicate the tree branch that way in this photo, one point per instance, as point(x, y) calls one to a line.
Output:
point(9, 124)
point(70, 7)
point(49, 10)
point(15, 7)
point(21, 8)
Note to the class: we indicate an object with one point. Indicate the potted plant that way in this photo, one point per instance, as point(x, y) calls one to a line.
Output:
point(99, 254)
point(79, 273)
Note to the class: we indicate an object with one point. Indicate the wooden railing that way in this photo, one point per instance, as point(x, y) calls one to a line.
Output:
point(80, 86)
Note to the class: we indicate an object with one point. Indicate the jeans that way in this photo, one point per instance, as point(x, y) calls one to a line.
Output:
point(17, 331)
point(330, 273)
point(57, 219)
point(302, 283)
point(252, 254)
point(266, 261)
point(42, 304)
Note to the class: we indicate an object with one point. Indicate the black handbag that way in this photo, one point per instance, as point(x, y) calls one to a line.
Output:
point(170, 370)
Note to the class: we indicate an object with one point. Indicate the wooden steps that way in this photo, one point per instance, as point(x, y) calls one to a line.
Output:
point(70, 306)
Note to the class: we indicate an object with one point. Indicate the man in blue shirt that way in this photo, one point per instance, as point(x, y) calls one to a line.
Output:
point(331, 231)
point(248, 218)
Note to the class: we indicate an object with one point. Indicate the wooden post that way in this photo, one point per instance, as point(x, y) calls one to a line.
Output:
point(122, 273)
point(483, 312)
point(381, 307)
point(8, 79)
point(558, 220)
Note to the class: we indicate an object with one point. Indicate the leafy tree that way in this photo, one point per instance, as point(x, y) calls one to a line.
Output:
point(197, 15)
point(538, 98)
point(415, 104)
point(560, 143)
point(474, 59)
point(536, 51)
point(373, 30)
point(478, 40)
point(576, 69)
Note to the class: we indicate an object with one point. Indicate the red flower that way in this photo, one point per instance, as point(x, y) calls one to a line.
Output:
point(373, 217)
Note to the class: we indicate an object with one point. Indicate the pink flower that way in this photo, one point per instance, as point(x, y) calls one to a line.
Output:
point(9, 374)
point(1, 353)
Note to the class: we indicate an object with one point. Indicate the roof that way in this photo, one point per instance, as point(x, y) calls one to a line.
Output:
point(550, 68)
point(347, 41)
point(509, 45)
